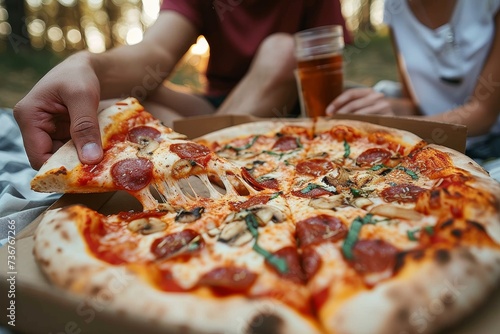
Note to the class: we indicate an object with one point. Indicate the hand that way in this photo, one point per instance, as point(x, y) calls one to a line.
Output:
point(360, 101)
point(62, 105)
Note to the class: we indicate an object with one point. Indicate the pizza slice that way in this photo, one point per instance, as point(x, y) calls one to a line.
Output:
point(144, 158)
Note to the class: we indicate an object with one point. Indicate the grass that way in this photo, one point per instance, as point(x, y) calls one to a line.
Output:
point(368, 60)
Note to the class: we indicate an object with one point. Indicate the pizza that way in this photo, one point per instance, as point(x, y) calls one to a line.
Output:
point(278, 226)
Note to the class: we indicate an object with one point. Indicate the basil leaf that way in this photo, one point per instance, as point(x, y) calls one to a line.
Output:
point(352, 237)
point(368, 219)
point(429, 230)
point(411, 234)
point(412, 174)
point(244, 147)
point(356, 192)
point(278, 263)
point(276, 195)
point(310, 187)
point(378, 167)
point(347, 149)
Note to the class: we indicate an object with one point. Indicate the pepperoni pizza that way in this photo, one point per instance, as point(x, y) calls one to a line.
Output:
point(332, 226)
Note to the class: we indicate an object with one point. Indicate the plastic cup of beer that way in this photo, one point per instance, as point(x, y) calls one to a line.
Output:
point(319, 67)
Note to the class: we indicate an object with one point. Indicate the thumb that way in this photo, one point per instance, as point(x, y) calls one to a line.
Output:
point(86, 135)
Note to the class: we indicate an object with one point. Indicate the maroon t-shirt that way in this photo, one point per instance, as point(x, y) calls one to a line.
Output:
point(234, 30)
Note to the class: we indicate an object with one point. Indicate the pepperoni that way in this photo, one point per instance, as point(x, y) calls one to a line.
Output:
point(192, 151)
point(294, 270)
point(252, 201)
point(270, 184)
point(311, 262)
point(225, 280)
point(314, 167)
point(373, 156)
point(92, 233)
point(132, 174)
point(321, 228)
point(372, 256)
point(173, 244)
point(404, 193)
point(286, 143)
point(143, 134)
point(259, 185)
point(316, 192)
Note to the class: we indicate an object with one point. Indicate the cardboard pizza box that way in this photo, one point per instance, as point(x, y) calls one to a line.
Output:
point(33, 305)
point(446, 134)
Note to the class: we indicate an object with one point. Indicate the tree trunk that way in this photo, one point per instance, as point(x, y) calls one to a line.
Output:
point(18, 37)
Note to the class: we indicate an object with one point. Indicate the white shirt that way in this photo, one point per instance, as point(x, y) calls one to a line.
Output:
point(454, 52)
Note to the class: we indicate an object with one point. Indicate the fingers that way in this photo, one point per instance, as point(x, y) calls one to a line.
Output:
point(61, 107)
point(35, 127)
point(85, 130)
point(360, 101)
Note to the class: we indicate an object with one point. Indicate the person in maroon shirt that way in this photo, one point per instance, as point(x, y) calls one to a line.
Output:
point(250, 71)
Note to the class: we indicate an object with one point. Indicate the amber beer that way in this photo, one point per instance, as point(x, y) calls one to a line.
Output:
point(321, 81)
point(319, 67)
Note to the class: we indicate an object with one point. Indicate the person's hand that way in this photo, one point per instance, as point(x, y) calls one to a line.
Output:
point(360, 101)
point(62, 105)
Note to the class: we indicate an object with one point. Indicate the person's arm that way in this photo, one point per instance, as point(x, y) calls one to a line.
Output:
point(480, 113)
point(63, 104)
point(122, 70)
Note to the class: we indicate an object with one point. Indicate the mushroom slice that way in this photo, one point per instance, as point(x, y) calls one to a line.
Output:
point(186, 217)
point(393, 211)
point(266, 214)
point(146, 225)
point(339, 177)
point(235, 234)
point(148, 149)
point(362, 179)
point(182, 168)
point(327, 203)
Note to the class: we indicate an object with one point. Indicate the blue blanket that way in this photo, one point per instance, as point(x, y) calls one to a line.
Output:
point(19, 205)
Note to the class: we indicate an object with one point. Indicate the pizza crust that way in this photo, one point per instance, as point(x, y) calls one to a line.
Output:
point(64, 259)
point(425, 297)
point(489, 217)
point(404, 136)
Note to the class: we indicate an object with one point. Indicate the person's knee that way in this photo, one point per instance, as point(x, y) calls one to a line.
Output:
point(276, 57)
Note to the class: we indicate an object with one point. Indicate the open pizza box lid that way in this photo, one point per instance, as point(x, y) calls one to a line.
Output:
point(446, 134)
point(42, 308)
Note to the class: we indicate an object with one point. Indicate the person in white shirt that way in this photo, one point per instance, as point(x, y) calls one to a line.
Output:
point(448, 55)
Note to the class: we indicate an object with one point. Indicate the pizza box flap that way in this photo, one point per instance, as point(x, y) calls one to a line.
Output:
point(446, 134)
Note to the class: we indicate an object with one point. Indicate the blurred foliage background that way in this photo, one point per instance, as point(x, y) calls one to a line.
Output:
point(35, 35)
